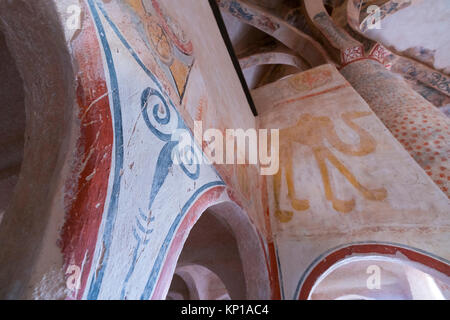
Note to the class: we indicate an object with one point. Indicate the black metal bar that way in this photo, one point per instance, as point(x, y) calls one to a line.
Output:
point(223, 30)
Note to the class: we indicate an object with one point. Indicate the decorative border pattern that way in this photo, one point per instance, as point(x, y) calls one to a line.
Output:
point(352, 54)
point(379, 53)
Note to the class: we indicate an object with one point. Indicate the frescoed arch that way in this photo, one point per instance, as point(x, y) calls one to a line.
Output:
point(250, 244)
point(401, 253)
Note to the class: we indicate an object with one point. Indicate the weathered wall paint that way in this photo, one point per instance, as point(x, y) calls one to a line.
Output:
point(337, 182)
point(420, 127)
point(430, 83)
point(152, 121)
point(144, 118)
point(376, 253)
point(143, 70)
point(418, 26)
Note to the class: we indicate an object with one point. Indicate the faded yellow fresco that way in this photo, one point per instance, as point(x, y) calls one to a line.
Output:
point(159, 41)
point(309, 80)
point(136, 5)
point(313, 132)
point(165, 36)
point(180, 73)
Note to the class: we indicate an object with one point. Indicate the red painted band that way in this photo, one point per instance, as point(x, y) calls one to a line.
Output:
point(187, 47)
point(381, 249)
point(94, 149)
point(204, 202)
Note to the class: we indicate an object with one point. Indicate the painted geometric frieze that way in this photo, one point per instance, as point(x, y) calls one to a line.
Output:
point(379, 53)
point(352, 54)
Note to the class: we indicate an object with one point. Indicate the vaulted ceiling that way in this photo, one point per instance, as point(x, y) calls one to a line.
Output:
point(275, 38)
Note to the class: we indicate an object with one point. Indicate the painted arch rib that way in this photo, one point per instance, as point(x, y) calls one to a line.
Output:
point(278, 54)
point(334, 36)
point(258, 17)
point(413, 70)
point(336, 255)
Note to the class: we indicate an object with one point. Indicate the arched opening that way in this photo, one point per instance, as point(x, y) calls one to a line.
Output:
point(38, 85)
point(195, 282)
point(380, 278)
point(179, 289)
point(12, 125)
point(222, 258)
point(376, 271)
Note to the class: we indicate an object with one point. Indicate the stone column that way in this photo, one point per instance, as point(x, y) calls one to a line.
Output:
point(419, 126)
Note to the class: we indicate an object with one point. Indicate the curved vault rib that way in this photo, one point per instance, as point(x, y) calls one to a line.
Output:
point(334, 36)
point(258, 17)
point(271, 54)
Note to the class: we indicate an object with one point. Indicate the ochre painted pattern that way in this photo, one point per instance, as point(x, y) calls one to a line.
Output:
point(165, 37)
point(312, 132)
